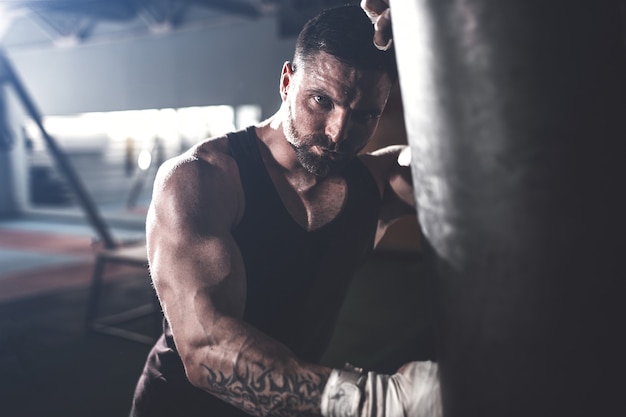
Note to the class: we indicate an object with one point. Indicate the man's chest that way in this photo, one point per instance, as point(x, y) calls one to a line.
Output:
point(314, 206)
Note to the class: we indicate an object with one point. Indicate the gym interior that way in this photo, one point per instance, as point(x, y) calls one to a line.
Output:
point(95, 96)
point(513, 109)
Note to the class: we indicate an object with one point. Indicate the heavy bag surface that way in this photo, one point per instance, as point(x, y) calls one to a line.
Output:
point(514, 112)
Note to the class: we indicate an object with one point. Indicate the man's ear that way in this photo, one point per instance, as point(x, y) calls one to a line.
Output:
point(285, 79)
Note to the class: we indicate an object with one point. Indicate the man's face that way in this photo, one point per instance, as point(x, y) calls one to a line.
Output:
point(332, 111)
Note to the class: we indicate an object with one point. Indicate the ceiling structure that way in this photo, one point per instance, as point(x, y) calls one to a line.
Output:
point(27, 23)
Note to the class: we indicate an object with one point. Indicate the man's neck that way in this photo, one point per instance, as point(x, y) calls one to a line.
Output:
point(311, 201)
point(280, 158)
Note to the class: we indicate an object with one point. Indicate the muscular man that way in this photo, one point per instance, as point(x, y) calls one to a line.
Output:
point(253, 239)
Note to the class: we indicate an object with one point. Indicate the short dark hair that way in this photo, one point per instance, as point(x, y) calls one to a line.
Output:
point(346, 33)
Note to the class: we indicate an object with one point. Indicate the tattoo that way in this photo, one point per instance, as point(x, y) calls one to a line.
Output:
point(254, 390)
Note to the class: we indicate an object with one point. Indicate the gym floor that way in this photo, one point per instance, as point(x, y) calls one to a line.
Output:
point(49, 365)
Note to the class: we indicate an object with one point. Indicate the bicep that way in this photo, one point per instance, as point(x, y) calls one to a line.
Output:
point(195, 262)
point(203, 275)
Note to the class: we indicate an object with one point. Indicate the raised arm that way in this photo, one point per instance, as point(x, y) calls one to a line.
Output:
point(380, 14)
point(200, 279)
point(390, 166)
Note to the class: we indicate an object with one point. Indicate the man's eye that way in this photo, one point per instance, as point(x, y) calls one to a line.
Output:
point(322, 101)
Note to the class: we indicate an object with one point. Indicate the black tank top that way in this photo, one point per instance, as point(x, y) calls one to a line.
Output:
point(296, 279)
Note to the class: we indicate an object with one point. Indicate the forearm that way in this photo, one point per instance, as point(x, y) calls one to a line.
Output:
point(265, 391)
point(258, 375)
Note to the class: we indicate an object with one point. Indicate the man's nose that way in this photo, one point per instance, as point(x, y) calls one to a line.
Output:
point(338, 125)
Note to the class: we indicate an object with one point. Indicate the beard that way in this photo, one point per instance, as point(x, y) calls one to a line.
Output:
point(320, 165)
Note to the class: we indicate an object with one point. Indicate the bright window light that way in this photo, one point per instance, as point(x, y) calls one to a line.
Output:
point(144, 160)
point(248, 115)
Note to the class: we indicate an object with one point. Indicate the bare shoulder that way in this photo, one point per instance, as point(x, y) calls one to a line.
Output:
point(388, 154)
point(385, 163)
point(200, 183)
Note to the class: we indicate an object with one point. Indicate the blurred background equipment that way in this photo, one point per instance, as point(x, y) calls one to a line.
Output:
point(71, 22)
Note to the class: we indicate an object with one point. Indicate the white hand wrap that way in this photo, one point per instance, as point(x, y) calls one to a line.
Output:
point(342, 393)
point(412, 392)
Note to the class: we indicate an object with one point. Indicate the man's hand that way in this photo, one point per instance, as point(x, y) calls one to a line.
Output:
point(411, 392)
point(414, 391)
point(379, 13)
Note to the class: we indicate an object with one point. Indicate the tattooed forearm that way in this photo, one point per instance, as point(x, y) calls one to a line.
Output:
point(255, 390)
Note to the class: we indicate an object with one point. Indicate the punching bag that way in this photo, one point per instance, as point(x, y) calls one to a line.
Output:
point(514, 114)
